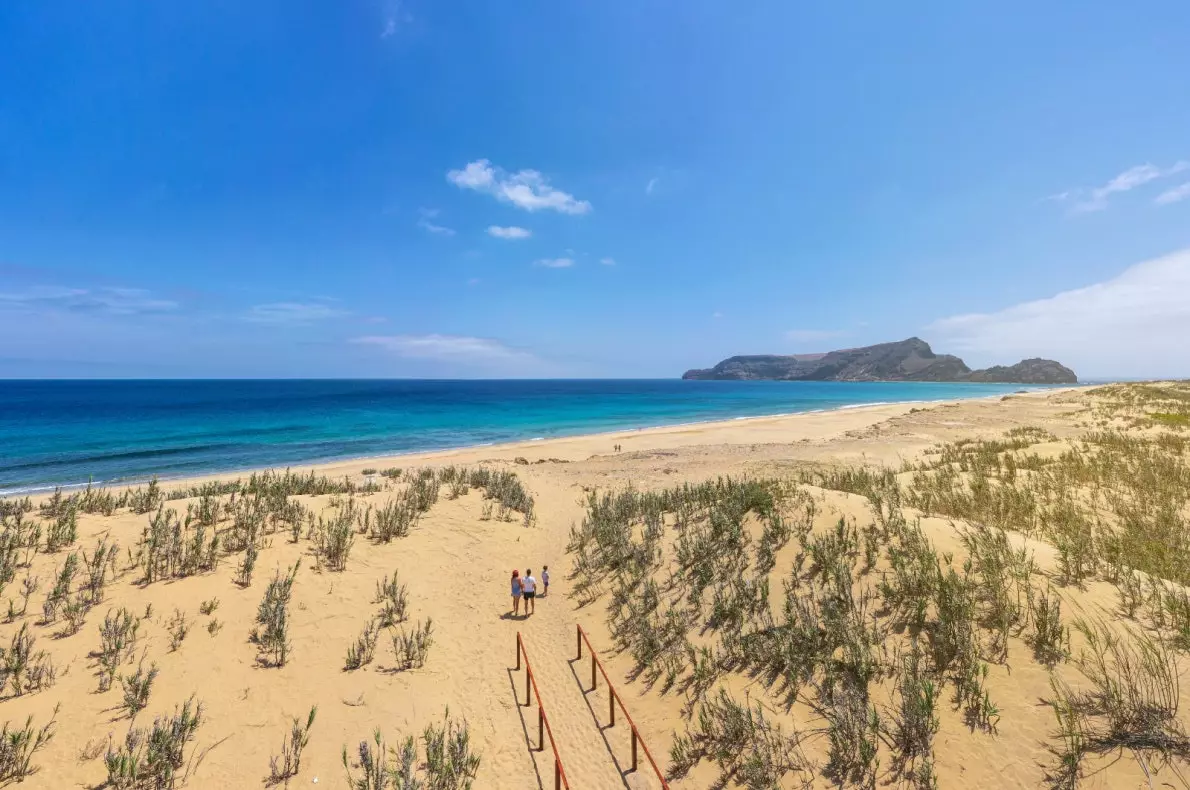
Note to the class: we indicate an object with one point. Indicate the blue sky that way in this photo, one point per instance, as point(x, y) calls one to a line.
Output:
point(546, 188)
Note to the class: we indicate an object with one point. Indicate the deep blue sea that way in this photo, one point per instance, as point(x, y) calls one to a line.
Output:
point(63, 432)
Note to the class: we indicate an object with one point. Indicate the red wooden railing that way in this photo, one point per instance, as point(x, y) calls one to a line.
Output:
point(613, 698)
point(543, 722)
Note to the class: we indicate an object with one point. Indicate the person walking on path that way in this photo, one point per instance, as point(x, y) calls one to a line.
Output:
point(530, 587)
point(545, 580)
point(517, 588)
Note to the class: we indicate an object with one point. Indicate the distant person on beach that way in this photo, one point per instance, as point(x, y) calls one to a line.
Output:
point(530, 587)
point(545, 580)
point(517, 586)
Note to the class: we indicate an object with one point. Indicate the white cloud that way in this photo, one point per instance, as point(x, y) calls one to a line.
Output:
point(444, 347)
point(291, 313)
point(1133, 325)
point(608, 261)
point(395, 16)
point(526, 189)
point(813, 335)
point(1174, 195)
point(110, 301)
point(716, 315)
point(1096, 198)
point(649, 187)
point(511, 232)
point(438, 230)
point(555, 263)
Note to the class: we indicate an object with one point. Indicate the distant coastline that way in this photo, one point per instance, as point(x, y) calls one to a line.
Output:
point(205, 438)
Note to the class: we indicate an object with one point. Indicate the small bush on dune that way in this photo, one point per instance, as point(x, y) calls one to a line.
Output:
point(23, 668)
point(153, 758)
point(178, 628)
point(272, 617)
point(412, 647)
point(333, 540)
point(18, 747)
point(363, 650)
point(1132, 703)
point(915, 721)
point(450, 763)
point(286, 765)
point(61, 591)
point(395, 600)
point(101, 561)
point(62, 532)
point(137, 688)
point(117, 636)
point(743, 743)
point(247, 566)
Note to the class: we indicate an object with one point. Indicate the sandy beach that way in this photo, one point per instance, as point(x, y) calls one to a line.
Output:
point(456, 566)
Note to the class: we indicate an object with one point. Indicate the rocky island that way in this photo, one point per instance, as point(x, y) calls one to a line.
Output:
point(905, 360)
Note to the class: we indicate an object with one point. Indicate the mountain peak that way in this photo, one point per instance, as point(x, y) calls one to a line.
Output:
point(911, 359)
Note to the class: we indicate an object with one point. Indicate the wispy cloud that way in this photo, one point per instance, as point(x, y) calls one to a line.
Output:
point(716, 315)
point(445, 347)
point(649, 187)
point(608, 261)
point(1087, 200)
point(555, 263)
point(511, 232)
point(424, 222)
point(395, 16)
point(110, 301)
point(1134, 324)
point(1175, 195)
point(814, 335)
point(291, 313)
point(437, 230)
point(526, 189)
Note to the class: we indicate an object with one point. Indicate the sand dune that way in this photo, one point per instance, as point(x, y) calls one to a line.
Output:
point(456, 565)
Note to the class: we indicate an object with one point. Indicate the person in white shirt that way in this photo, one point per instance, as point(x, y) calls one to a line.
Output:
point(530, 587)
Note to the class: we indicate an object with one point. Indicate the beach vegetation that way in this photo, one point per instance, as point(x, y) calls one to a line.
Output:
point(286, 765)
point(272, 632)
point(137, 688)
point(394, 600)
point(117, 642)
point(62, 530)
point(154, 758)
point(1131, 703)
point(59, 595)
point(18, 747)
point(363, 650)
point(334, 537)
point(450, 761)
point(24, 668)
point(413, 646)
point(179, 628)
point(98, 565)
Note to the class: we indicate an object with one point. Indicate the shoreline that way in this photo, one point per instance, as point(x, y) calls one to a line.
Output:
point(704, 426)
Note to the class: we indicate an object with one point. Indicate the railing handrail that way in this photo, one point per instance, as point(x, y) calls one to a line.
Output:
point(559, 772)
point(615, 695)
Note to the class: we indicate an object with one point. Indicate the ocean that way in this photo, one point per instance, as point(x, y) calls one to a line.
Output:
point(66, 432)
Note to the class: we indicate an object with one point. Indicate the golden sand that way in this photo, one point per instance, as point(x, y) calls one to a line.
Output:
point(457, 568)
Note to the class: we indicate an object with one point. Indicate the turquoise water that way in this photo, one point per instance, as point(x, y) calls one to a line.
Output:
point(63, 432)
